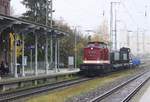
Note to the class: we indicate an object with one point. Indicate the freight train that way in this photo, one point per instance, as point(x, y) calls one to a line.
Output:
point(97, 59)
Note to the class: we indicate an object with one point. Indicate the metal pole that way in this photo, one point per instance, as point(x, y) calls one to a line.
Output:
point(36, 45)
point(75, 58)
point(128, 39)
point(111, 28)
point(15, 56)
point(137, 41)
point(143, 42)
point(11, 55)
point(36, 54)
point(46, 45)
point(23, 73)
point(115, 29)
point(46, 54)
point(31, 58)
point(51, 25)
point(51, 13)
point(51, 48)
point(111, 21)
point(146, 15)
point(56, 55)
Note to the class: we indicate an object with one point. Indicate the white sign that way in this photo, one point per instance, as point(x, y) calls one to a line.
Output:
point(25, 60)
point(70, 60)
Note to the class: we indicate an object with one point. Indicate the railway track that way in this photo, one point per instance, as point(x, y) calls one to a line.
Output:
point(125, 91)
point(5, 97)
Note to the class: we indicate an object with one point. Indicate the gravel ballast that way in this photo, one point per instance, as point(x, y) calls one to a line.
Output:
point(100, 90)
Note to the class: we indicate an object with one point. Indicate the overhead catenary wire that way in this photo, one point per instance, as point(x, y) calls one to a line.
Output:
point(129, 14)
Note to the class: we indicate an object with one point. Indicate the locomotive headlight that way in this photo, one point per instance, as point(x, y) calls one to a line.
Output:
point(98, 61)
point(84, 61)
point(91, 48)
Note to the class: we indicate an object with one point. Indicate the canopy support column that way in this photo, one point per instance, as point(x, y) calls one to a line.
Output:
point(51, 54)
point(56, 55)
point(36, 54)
point(23, 73)
point(46, 54)
point(15, 56)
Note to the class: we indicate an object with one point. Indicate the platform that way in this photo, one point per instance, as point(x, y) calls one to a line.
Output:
point(41, 74)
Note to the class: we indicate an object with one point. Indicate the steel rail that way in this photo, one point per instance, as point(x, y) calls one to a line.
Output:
point(4, 97)
point(128, 98)
point(106, 94)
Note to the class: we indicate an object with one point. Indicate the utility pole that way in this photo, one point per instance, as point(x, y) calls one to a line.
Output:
point(49, 16)
point(143, 37)
point(56, 62)
point(111, 21)
point(46, 36)
point(146, 20)
point(128, 38)
point(115, 29)
point(51, 25)
point(113, 41)
point(137, 38)
point(75, 42)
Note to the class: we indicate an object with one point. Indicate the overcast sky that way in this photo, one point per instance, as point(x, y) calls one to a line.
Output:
point(88, 14)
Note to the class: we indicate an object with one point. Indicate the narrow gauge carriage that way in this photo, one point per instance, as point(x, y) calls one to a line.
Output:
point(98, 60)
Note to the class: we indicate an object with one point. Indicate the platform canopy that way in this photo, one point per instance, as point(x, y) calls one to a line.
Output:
point(23, 26)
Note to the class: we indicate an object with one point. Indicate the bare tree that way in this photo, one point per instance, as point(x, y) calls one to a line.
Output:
point(102, 33)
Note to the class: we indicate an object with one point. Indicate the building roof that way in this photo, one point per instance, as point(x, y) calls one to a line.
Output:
point(24, 26)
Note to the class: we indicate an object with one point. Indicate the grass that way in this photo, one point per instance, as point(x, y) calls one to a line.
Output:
point(64, 94)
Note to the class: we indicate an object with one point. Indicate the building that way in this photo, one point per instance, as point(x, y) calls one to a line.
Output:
point(5, 10)
point(5, 7)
